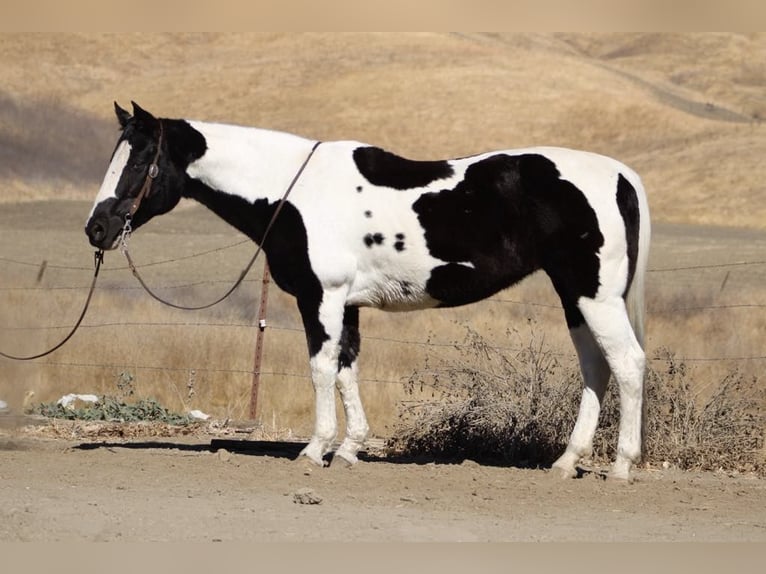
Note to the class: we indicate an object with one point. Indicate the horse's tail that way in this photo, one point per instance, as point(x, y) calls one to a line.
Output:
point(634, 299)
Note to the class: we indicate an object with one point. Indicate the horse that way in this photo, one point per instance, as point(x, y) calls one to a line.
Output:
point(364, 227)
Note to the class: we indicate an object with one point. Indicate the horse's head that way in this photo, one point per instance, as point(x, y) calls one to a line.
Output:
point(142, 180)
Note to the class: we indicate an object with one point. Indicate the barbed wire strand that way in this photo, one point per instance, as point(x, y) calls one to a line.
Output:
point(244, 241)
point(368, 338)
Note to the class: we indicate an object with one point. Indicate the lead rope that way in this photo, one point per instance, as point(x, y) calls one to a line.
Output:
point(99, 259)
point(125, 236)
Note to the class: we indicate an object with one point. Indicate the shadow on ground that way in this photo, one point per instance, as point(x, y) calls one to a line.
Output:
point(291, 450)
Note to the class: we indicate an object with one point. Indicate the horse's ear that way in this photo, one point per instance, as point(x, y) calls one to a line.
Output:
point(122, 115)
point(144, 120)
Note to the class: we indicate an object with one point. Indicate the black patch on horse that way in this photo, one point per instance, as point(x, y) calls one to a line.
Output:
point(383, 168)
point(373, 239)
point(187, 143)
point(510, 216)
point(350, 341)
point(568, 234)
point(286, 249)
point(478, 222)
point(627, 202)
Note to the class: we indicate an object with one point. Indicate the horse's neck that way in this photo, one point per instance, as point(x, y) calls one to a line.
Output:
point(244, 172)
point(249, 163)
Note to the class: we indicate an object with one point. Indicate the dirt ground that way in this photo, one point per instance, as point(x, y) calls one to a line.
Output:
point(203, 487)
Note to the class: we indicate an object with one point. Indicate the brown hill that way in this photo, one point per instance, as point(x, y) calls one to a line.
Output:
point(684, 110)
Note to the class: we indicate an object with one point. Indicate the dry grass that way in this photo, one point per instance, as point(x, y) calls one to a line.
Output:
point(204, 360)
point(723, 429)
point(519, 407)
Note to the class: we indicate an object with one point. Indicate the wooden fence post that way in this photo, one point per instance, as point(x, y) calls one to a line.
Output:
point(259, 342)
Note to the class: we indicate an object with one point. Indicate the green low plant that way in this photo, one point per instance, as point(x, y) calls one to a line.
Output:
point(112, 409)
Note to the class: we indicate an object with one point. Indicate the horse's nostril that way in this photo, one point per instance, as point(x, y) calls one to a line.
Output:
point(97, 232)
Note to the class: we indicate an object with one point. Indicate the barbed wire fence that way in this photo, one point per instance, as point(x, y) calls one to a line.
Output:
point(275, 325)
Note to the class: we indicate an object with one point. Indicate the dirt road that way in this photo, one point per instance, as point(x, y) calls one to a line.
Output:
point(186, 488)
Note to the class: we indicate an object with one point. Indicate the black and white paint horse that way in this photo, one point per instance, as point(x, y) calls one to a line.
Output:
point(363, 227)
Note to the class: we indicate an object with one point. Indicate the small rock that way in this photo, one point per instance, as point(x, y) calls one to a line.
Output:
point(74, 401)
point(199, 415)
point(306, 496)
point(223, 455)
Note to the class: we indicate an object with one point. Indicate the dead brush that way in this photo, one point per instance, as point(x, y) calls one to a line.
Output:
point(518, 406)
point(721, 431)
point(490, 403)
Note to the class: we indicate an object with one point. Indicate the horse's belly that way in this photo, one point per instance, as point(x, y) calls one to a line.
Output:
point(392, 294)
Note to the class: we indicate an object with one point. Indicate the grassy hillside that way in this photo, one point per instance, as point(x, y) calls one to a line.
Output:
point(684, 110)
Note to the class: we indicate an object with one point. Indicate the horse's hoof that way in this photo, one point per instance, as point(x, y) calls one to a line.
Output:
point(309, 454)
point(562, 473)
point(344, 459)
point(620, 471)
point(311, 463)
point(565, 466)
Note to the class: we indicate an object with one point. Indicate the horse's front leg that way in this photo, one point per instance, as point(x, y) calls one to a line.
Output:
point(348, 387)
point(323, 325)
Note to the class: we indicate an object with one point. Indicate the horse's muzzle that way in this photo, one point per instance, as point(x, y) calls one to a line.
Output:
point(103, 231)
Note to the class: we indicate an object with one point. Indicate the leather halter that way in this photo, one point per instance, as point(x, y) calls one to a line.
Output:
point(126, 232)
point(151, 175)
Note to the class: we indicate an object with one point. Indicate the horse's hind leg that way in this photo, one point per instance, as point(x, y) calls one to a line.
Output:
point(595, 372)
point(608, 321)
point(356, 421)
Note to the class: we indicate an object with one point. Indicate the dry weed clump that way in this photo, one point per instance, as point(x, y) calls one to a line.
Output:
point(695, 429)
point(490, 403)
point(518, 406)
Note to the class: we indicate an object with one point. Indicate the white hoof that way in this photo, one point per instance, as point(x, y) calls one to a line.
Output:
point(563, 473)
point(621, 470)
point(314, 453)
point(303, 456)
point(348, 451)
point(343, 460)
point(564, 467)
point(346, 458)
